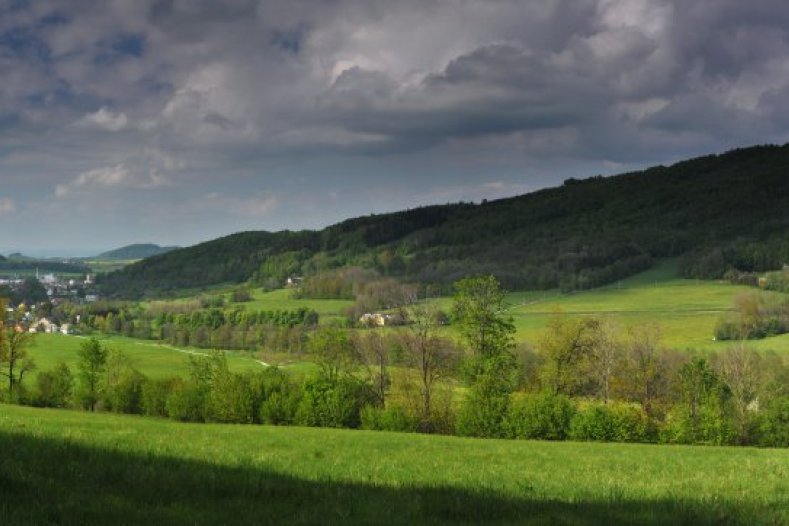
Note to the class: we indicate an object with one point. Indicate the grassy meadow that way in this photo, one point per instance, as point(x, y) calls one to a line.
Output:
point(107, 265)
point(282, 299)
point(151, 358)
point(686, 310)
point(66, 467)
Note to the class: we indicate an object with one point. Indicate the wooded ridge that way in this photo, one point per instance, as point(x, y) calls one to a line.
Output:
point(719, 212)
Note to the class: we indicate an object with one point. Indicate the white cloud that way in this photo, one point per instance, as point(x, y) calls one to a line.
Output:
point(118, 176)
point(7, 206)
point(104, 119)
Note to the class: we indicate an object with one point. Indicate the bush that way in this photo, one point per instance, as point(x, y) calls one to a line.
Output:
point(708, 426)
point(54, 388)
point(544, 417)
point(125, 394)
point(774, 424)
point(279, 398)
point(230, 399)
point(484, 414)
point(280, 408)
point(390, 418)
point(240, 295)
point(612, 423)
point(153, 400)
point(333, 403)
point(186, 402)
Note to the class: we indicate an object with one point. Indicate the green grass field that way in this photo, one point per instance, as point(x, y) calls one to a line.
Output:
point(282, 299)
point(63, 467)
point(152, 359)
point(686, 310)
point(108, 265)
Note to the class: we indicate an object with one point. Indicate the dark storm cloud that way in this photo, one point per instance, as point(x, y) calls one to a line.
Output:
point(267, 107)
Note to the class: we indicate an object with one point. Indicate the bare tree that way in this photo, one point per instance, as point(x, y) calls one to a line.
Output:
point(740, 368)
point(430, 355)
point(644, 376)
point(372, 353)
point(605, 356)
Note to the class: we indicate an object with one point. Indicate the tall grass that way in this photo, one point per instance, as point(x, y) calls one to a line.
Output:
point(66, 467)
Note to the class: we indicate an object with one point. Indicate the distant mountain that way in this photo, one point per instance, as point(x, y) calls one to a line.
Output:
point(136, 251)
point(720, 213)
point(18, 256)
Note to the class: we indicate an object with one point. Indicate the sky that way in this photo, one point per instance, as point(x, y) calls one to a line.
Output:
point(178, 121)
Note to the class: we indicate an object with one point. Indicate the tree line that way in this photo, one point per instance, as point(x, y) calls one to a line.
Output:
point(197, 324)
point(587, 379)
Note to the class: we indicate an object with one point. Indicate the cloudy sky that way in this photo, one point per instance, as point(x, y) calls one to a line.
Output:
point(176, 121)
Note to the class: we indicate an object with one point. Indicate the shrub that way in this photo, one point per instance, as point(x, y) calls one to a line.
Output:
point(333, 403)
point(186, 402)
point(280, 408)
point(484, 414)
point(154, 395)
point(240, 295)
point(707, 426)
point(124, 395)
point(390, 418)
point(543, 416)
point(279, 398)
point(612, 423)
point(54, 388)
point(774, 424)
point(230, 399)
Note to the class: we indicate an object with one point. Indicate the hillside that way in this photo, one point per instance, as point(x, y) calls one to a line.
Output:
point(76, 468)
point(135, 251)
point(718, 212)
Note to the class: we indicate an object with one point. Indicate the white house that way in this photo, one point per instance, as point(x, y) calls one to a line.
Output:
point(374, 319)
point(44, 325)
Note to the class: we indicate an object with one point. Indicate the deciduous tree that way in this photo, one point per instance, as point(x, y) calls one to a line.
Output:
point(92, 363)
point(14, 342)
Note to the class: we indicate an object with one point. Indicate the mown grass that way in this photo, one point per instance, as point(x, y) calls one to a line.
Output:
point(686, 310)
point(151, 358)
point(108, 265)
point(282, 299)
point(62, 467)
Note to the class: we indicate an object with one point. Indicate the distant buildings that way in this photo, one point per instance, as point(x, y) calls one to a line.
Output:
point(375, 319)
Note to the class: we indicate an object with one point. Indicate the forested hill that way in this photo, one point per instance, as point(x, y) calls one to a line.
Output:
point(720, 212)
point(136, 251)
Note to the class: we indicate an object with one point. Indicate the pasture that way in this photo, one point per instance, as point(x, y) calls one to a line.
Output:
point(686, 310)
point(152, 359)
point(282, 299)
point(76, 468)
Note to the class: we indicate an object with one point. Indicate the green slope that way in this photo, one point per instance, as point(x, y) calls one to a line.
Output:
point(76, 468)
point(135, 251)
point(151, 358)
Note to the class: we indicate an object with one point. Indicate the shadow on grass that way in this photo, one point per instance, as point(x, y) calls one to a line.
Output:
point(46, 481)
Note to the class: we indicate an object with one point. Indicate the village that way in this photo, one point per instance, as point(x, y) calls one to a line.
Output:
point(58, 289)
